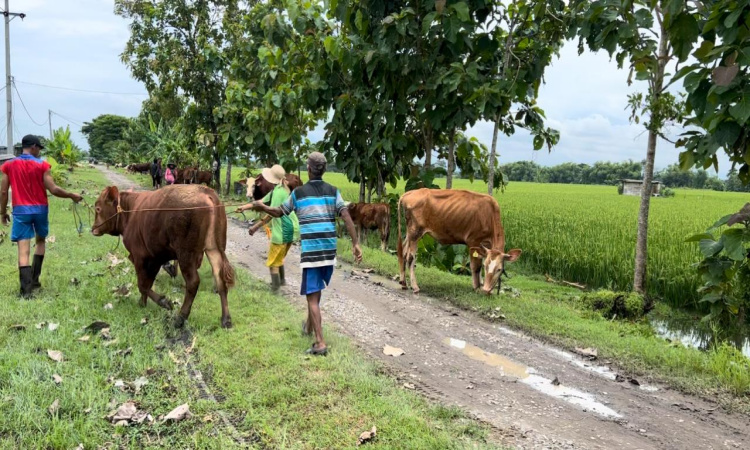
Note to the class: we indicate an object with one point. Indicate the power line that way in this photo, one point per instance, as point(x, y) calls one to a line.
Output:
point(66, 118)
point(83, 90)
point(25, 109)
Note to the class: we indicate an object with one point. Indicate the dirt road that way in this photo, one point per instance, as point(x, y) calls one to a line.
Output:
point(535, 395)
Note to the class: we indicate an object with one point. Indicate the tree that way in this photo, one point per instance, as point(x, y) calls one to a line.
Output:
point(522, 171)
point(103, 130)
point(176, 46)
point(626, 29)
point(62, 148)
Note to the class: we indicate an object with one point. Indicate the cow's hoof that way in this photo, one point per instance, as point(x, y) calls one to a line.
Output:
point(404, 287)
point(143, 302)
point(226, 323)
point(179, 321)
point(164, 303)
point(415, 291)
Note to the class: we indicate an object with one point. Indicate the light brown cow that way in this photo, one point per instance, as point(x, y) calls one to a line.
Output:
point(372, 216)
point(178, 222)
point(455, 217)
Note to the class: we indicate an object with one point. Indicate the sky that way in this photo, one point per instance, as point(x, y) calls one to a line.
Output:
point(77, 45)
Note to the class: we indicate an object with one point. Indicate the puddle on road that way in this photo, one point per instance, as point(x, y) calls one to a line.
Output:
point(527, 375)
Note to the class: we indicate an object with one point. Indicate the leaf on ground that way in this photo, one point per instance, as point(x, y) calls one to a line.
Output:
point(56, 378)
point(104, 333)
point(619, 378)
point(17, 327)
point(84, 338)
point(138, 383)
point(588, 352)
point(108, 306)
point(122, 290)
point(367, 436)
point(410, 386)
point(179, 413)
point(80, 447)
point(633, 381)
point(113, 260)
point(208, 418)
point(368, 270)
point(124, 352)
point(125, 412)
point(112, 342)
point(51, 239)
point(98, 325)
point(392, 351)
point(556, 382)
point(119, 384)
point(75, 281)
point(55, 355)
point(40, 325)
point(144, 321)
point(54, 406)
point(53, 326)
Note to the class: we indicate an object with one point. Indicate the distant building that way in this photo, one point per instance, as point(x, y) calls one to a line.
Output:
point(634, 187)
point(17, 150)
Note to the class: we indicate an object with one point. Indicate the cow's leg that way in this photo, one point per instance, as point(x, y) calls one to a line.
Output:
point(192, 282)
point(412, 259)
point(476, 270)
point(146, 277)
point(216, 257)
point(383, 239)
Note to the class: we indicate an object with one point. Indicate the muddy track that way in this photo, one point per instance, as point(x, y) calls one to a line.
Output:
point(499, 375)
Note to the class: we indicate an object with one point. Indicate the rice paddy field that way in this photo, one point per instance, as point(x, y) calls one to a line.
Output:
point(587, 233)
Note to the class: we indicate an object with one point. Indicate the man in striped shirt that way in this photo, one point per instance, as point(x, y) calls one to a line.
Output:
point(316, 204)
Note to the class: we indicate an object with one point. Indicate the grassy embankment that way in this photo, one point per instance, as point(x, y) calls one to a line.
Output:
point(274, 395)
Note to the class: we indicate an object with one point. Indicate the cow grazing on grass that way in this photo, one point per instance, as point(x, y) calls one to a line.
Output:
point(193, 175)
point(142, 168)
point(372, 216)
point(455, 217)
point(258, 187)
point(174, 223)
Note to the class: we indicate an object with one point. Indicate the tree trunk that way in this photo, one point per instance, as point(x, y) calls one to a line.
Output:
point(217, 174)
point(451, 160)
point(428, 147)
point(493, 150)
point(229, 178)
point(641, 245)
point(362, 188)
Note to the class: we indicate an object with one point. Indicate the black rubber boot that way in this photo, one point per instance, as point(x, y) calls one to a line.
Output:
point(36, 271)
point(26, 276)
point(281, 276)
point(275, 281)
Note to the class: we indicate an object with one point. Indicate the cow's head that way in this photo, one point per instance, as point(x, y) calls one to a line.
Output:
point(494, 262)
point(258, 187)
point(106, 210)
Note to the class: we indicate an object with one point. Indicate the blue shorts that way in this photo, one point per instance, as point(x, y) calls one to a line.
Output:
point(315, 279)
point(28, 226)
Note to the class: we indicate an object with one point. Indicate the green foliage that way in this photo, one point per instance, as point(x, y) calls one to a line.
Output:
point(667, 192)
point(103, 133)
point(622, 305)
point(449, 258)
point(59, 172)
point(62, 148)
point(725, 269)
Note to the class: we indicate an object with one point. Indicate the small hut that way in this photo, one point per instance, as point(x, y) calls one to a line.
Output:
point(634, 187)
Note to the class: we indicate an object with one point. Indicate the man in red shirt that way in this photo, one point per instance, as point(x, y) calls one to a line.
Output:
point(30, 178)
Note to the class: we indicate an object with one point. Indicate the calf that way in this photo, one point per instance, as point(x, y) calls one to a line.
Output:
point(372, 216)
point(193, 175)
point(176, 222)
point(455, 217)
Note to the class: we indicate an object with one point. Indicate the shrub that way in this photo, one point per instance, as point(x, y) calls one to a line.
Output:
point(667, 192)
point(623, 305)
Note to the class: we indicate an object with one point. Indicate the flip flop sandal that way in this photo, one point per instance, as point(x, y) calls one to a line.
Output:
point(317, 352)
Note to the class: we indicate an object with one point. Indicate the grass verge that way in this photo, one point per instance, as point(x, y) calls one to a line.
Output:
point(554, 313)
point(272, 394)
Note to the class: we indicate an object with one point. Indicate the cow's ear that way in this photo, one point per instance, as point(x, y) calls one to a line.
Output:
point(477, 252)
point(513, 255)
point(112, 194)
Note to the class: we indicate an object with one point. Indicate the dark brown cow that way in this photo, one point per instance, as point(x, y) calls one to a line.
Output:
point(258, 187)
point(455, 217)
point(372, 216)
point(140, 168)
point(193, 175)
point(174, 223)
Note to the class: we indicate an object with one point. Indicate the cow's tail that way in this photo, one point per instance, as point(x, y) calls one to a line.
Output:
point(400, 246)
point(226, 272)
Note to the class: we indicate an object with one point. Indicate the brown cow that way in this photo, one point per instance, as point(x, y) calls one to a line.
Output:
point(193, 175)
point(455, 217)
point(372, 216)
point(258, 187)
point(142, 168)
point(160, 226)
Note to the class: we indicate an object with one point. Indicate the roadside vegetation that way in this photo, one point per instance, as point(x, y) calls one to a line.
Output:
point(272, 394)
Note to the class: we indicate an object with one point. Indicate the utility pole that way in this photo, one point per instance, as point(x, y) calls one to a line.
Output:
point(8, 78)
point(49, 120)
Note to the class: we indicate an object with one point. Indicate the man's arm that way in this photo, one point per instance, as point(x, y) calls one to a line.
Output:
point(4, 184)
point(356, 251)
point(56, 190)
point(258, 205)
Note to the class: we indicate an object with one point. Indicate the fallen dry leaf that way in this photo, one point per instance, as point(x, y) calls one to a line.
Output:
point(120, 384)
point(123, 290)
point(54, 407)
point(40, 325)
point(104, 333)
point(51, 239)
point(56, 378)
point(75, 281)
point(124, 352)
point(108, 306)
point(409, 386)
point(84, 338)
point(138, 383)
point(121, 423)
point(179, 413)
point(80, 447)
point(392, 351)
point(55, 355)
point(113, 260)
point(367, 436)
point(112, 342)
point(125, 412)
point(53, 326)
point(208, 418)
point(588, 352)
point(96, 326)
point(17, 327)
point(144, 321)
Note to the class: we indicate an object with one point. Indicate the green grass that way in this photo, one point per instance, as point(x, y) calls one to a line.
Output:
point(555, 314)
point(274, 395)
point(587, 233)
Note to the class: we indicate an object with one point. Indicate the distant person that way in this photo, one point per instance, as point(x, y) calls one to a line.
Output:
point(169, 174)
point(317, 204)
point(28, 177)
point(156, 173)
point(284, 230)
point(215, 173)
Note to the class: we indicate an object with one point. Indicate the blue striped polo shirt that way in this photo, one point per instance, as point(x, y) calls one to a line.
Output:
point(317, 204)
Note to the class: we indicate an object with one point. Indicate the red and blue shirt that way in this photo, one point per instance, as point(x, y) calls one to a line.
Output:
point(26, 176)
